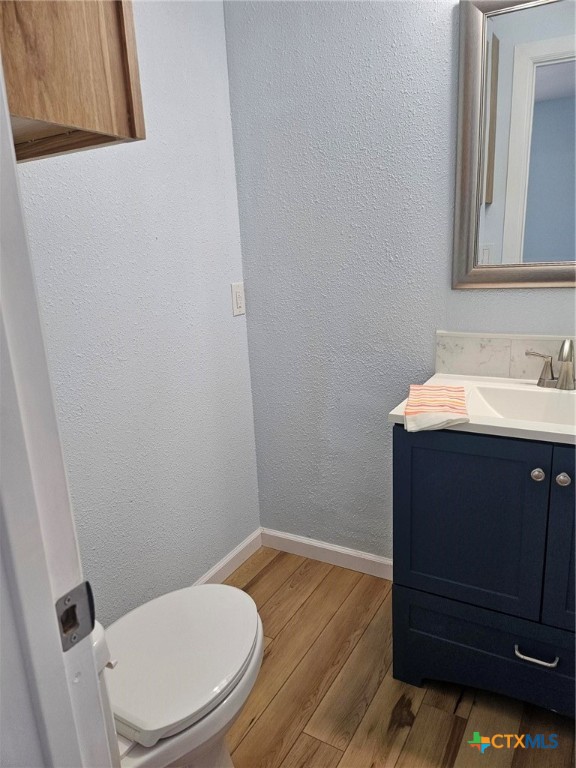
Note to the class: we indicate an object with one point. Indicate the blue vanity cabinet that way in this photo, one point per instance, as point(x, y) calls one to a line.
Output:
point(559, 592)
point(484, 564)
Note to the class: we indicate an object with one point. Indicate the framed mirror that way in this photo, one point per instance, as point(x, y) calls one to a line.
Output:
point(515, 220)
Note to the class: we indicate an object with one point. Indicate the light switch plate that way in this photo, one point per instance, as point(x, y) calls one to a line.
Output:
point(238, 303)
point(486, 253)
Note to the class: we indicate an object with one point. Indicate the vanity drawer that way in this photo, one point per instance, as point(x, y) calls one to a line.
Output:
point(443, 639)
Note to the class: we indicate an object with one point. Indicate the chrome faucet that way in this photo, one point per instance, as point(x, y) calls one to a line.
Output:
point(547, 378)
point(565, 378)
point(566, 360)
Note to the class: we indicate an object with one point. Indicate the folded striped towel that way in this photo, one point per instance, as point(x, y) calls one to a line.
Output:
point(434, 407)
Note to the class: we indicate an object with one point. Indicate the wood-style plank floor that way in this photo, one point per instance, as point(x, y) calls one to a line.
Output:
point(325, 696)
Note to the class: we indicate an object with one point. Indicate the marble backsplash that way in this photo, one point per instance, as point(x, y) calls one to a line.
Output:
point(494, 354)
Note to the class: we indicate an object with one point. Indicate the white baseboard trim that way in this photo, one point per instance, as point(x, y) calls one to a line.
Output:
point(232, 560)
point(356, 560)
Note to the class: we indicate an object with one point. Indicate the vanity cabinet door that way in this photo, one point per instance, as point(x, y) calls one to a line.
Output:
point(559, 593)
point(470, 520)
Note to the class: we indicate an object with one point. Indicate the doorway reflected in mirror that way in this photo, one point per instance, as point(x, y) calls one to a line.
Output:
point(550, 225)
point(527, 208)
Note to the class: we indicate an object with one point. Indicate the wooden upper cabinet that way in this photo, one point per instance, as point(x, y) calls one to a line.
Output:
point(71, 74)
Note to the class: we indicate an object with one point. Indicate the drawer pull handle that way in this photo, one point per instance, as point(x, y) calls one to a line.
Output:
point(549, 664)
point(538, 474)
point(563, 479)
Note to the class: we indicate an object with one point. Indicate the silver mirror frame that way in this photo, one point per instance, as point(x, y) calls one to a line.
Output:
point(469, 163)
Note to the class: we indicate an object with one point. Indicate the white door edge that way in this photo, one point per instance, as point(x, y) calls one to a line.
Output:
point(38, 536)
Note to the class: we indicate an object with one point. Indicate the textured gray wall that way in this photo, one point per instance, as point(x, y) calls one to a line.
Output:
point(134, 248)
point(344, 120)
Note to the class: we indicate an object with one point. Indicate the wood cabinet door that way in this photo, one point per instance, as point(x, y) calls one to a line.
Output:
point(469, 519)
point(559, 594)
point(71, 74)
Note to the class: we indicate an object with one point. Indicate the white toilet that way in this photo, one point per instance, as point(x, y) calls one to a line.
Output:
point(179, 671)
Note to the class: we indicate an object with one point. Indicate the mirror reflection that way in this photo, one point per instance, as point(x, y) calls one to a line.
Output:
point(527, 205)
point(550, 222)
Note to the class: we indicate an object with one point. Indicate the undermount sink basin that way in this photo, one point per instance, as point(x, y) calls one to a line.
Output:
point(542, 405)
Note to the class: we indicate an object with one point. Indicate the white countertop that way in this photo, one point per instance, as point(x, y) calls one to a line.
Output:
point(551, 414)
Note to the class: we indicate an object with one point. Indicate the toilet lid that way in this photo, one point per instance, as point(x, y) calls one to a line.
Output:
point(178, 657)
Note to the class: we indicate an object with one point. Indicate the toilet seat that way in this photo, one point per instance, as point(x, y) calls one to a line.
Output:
point(178, 657)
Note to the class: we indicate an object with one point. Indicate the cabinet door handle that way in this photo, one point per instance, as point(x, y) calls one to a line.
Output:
point(563, 479)
point(538, 474)
point(549, 664)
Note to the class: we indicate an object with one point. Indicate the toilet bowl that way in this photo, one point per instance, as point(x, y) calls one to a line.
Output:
point(179, 671)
